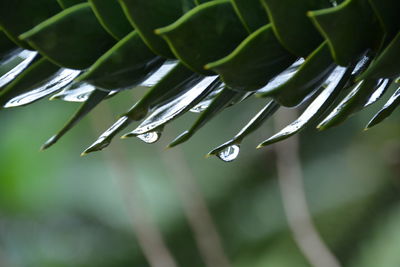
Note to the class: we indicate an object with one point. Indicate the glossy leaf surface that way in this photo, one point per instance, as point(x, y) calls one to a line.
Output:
point(205, 34)
point(127, 64)
point(254, 63)
point(111, 17)
point(73, 31)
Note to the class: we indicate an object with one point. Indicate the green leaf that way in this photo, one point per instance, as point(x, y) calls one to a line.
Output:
point(254, 62)
point(6, 45)
point(177, 106)
point(111, 17)
point(95, 98)
point(68, 38)
point(176, 82)
point(309, 78)
point(39, 71)
point(336, 82)
point(262, 116)
point(383, 66)
point(162, 13)
point(15, 65)
point(350, 28)
point(251, 13)
point(19, 16)
point(205, 34)
point(126, 64)
point(387, 11)
point(105, 139)
point(355, 101)
point(223, 100)
point(292, 26)
point(392, 104)
point(68, 3)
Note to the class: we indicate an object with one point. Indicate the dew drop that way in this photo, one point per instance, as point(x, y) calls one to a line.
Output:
point(229, 154)
point(149, 138)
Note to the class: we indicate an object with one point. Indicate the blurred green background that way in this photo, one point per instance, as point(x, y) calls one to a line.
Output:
point(59, 209)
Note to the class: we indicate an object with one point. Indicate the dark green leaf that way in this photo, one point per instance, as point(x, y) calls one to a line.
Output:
point(68, 38)
point(255, 62)
point(205, 34)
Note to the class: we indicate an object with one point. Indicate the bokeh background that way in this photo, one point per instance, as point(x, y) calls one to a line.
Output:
point(60, 209)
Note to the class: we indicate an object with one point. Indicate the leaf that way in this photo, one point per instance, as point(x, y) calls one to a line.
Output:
point(392, 104)
point(162, 13)
point(95, 98)
point(350, 29)
point(6, 46)
point(176, 82)
point(67, 39)
point(76, 92)
point(387, 13)
point(16, 17)
point(50, 85)
point(383, 66)
point(126, 64)
point(352, 103)
point(32, 76)
point(105, 139)
point(251, 13)
point(252, 126)
point(257, 60)
point(292, 26)
point(111, 17)
point(335, 84)
point(309, 78)
point(218, 104)
point(205, 34)
point(16, 65)
point(68, 3)
point(177, 106)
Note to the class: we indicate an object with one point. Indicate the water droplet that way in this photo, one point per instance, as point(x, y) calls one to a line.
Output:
point(150, 137)
point(229, 154)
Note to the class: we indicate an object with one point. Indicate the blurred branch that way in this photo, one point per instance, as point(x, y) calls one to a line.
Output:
point(149, 237)
point(195, 209)
point(294, 199)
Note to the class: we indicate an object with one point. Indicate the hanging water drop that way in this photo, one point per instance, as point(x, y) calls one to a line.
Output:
point(229, 154)
point(150, 137)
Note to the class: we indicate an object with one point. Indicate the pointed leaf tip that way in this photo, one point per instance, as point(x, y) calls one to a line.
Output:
point(180, 139)
point(50, 142)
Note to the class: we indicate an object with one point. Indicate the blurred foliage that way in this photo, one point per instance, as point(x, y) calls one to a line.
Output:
point(58, 209)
